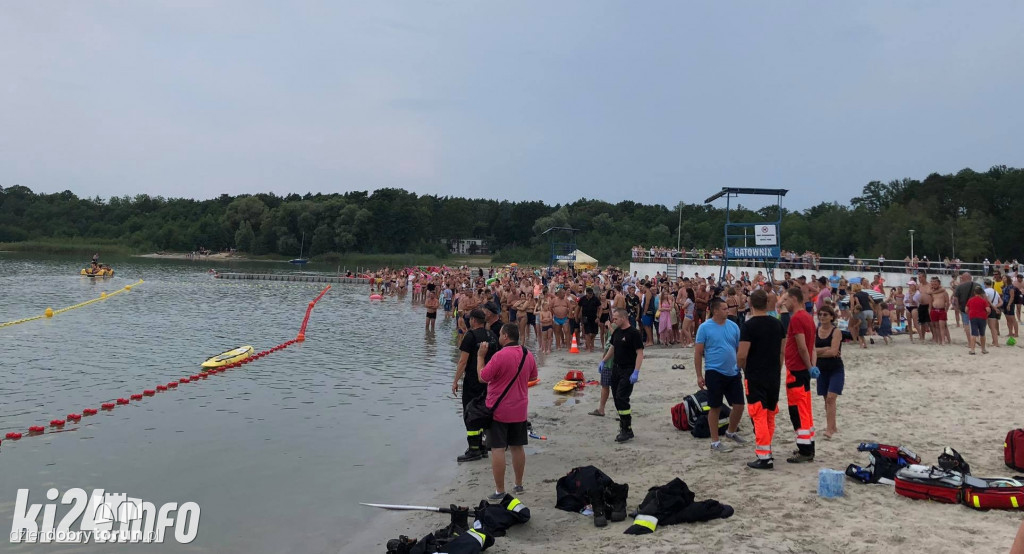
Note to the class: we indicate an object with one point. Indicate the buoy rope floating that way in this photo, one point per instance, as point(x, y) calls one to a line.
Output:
point(108, 406)
point(50, 312)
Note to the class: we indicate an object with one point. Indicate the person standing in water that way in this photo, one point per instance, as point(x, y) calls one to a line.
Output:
point(431, 304)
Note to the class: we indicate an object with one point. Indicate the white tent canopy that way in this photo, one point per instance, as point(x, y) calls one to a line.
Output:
point(581, 258)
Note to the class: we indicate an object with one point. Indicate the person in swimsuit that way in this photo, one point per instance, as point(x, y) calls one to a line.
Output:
point(939, 312)
point(560, 316)
point(910, 301)
point(828, 346)
point(732, 302)
point(517, 313)
point(896, 298)
point(688, 309)
point(546, 326)
point(431, 304)
point(924, 308)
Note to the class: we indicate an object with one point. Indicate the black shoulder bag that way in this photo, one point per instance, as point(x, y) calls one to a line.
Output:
point(477, 415)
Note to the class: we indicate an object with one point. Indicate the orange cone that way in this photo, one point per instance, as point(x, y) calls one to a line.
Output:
point(574, 348)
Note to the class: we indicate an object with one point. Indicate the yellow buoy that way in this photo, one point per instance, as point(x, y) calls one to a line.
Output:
point(127, 287)
point(103, 295)
point(49, 312)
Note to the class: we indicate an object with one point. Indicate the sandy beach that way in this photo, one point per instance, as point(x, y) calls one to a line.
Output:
point(919, 395)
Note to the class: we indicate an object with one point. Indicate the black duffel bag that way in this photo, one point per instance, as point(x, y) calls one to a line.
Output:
point(477, 415)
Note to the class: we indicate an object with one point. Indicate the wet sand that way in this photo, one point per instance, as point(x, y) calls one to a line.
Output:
point(919, 395)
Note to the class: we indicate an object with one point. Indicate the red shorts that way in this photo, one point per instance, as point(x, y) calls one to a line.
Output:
point(939, 315)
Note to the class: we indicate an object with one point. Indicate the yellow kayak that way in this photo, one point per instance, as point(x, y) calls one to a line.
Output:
point(229, 357)
point(566, 386)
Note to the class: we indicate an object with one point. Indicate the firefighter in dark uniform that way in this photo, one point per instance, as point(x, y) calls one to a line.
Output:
point(466, 371)
point(628, 352)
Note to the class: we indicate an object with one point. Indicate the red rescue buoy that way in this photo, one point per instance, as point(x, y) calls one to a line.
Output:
point(122, 400)
point(74, 417)
point(36, 429)
point(107, 405)
point(161, 387)
point(172, 384)
point(56, 423)
point(89, 411)
point(13, 436)
point(149, 392)
point(193, 378)
point(203, 375)
point(136, 397)
point(183, 380)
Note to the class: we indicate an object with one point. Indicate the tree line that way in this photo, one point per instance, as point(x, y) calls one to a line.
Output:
point(969, 215)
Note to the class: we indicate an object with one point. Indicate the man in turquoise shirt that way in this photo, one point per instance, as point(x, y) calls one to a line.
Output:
point(718, 339)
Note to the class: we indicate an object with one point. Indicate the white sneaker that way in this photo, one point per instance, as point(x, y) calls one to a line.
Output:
point(735, 437)
point(720, 447)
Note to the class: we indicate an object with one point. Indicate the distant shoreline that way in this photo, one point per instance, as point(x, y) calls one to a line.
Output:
point(218, 256)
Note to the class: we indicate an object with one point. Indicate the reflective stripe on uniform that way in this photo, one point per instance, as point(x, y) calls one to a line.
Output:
point(480, 537)
point(625, 412)
point(474, 433)
point(649, 522)
point(515, 505)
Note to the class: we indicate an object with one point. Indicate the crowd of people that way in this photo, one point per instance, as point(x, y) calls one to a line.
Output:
point(813, 261)
point(659, 254)
point(744, 330)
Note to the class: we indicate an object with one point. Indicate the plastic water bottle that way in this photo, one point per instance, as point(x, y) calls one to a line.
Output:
point(830, 483)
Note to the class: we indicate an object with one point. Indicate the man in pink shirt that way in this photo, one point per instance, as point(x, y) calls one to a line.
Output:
point(508, 430)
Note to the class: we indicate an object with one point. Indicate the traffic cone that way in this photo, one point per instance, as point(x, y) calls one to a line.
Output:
point(574, 348)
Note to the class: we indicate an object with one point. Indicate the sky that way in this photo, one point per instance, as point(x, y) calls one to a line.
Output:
point(654, 101)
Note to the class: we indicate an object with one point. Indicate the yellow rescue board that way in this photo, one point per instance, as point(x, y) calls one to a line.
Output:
point(229, 357)
point(566, 386)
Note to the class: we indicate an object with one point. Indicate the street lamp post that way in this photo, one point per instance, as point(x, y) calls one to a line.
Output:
point(911, 244)
point(679, 229)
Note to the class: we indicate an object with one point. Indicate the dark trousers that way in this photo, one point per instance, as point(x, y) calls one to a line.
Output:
point(621, 391)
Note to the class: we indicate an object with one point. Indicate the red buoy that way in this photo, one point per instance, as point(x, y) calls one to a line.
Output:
point(193, 378)
point(36, 429)
point(148, 392)
point(172, 384)
point(203, 375)
point(161, 387)
point(89, 411)
point(136, 397)
point(107, 405)
point(122, 400)
point(13, 436)
point(56, 423)
point(74, 417)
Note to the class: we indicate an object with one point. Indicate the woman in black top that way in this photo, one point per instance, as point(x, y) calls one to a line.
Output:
point(828, 345)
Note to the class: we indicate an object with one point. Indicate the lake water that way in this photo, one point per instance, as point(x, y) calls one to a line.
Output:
point(277, 453)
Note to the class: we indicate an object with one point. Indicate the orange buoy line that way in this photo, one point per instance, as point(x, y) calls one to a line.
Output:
point(108, 406)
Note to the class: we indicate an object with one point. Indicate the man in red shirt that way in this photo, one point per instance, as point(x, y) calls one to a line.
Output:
point(508, 430)
point(800, 356)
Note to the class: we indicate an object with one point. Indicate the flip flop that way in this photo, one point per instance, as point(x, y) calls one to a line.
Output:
point(597, 413)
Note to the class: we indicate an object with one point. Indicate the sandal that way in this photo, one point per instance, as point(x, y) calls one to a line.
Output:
point(597, 413)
